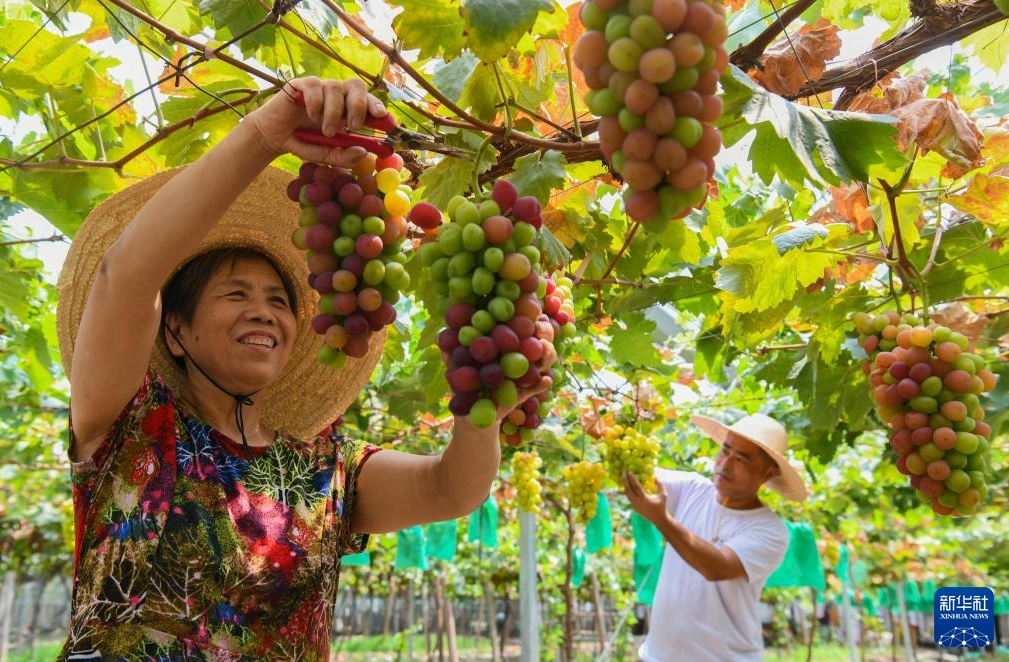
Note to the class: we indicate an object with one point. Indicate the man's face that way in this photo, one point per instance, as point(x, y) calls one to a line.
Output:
point(741, 467)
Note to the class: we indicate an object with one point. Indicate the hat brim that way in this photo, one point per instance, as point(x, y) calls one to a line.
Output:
point(307, 396)
point(788, 483)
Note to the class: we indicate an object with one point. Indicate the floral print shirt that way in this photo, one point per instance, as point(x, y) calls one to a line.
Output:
point(187, 549)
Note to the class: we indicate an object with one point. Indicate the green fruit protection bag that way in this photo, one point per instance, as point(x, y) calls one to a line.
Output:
point(802, 565)
point(483, 524)
point(361, 558)
point(410, 549)
point(577, 566)
point(441, 540)
point(648, 550)
point(599, 530)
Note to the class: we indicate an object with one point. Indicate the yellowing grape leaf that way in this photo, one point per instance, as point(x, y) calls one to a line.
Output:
point(800, 58)
point(987, 199)
point(891, 91)
point(940, 125)
point(852, 205)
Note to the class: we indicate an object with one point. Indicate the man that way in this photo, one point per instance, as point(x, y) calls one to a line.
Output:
point(722, 544)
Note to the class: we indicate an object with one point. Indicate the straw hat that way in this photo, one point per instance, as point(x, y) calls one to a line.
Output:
point(307, 396)
point(770, 435)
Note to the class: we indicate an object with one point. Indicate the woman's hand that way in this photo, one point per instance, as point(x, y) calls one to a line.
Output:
point(328, 106)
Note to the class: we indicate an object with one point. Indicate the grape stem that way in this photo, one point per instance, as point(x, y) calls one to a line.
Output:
point(767, 349)
point(476, 165)
point(623, 249)
point(575, 124)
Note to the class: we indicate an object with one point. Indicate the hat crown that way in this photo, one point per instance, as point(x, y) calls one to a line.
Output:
point(764, 430)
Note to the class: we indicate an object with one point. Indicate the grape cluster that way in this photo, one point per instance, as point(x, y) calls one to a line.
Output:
point(925, 387)
point(652, 67)
point(485, 267)
point(582, 482)
point(627, 450)
point(352, 225)
point(525, 477)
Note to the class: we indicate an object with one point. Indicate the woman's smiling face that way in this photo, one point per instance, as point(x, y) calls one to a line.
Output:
point(243, 327)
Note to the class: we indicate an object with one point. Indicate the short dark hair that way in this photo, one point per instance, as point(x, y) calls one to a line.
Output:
point(180, 295)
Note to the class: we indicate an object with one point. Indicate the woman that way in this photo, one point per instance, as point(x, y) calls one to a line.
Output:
point(211, 514)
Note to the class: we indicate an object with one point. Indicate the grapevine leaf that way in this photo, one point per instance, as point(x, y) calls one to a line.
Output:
point(431, 26)
point(493, 27)
point(63, 196)
point(757, 277)
point(709, 359)
point(539, 173)
point(798, 237)
point(446, 179)
point(235, 16)
point(555, 255)
point(987, 199)
point(13, 292)
point(801, 143)
point(451, 77)
point(669, 291)
point(632, 342)
point(990, 46)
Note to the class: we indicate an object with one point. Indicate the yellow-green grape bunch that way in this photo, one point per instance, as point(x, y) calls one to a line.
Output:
point(926, 387)
point(525, 477)
point(582, 482)
point(627, 450)
point(352, 226)
point(652, 67)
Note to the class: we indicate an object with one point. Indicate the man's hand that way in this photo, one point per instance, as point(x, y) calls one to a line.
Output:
point(650, 506)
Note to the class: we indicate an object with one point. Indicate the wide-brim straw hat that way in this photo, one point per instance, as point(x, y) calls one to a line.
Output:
point(307, 396)
point(771, 436)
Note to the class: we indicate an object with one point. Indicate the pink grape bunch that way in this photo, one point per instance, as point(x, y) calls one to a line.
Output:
point(525, 477)
point(652, 67)
point(485, 267)
point(926, 385)
point(352, 226)
point(582, 482)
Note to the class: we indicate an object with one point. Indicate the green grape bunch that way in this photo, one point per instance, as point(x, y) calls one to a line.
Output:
point(582, 482)
point(525, 477)
point(627, 450)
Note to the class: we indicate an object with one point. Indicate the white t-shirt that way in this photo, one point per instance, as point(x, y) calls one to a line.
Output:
point(697, 620)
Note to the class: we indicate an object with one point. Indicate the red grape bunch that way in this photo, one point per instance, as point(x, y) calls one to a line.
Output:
point(525, 476)
point(926, 387)
point(352, 225)
point(652, 67)
point(485, 267)
point(627, 450)
point(582, 482)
